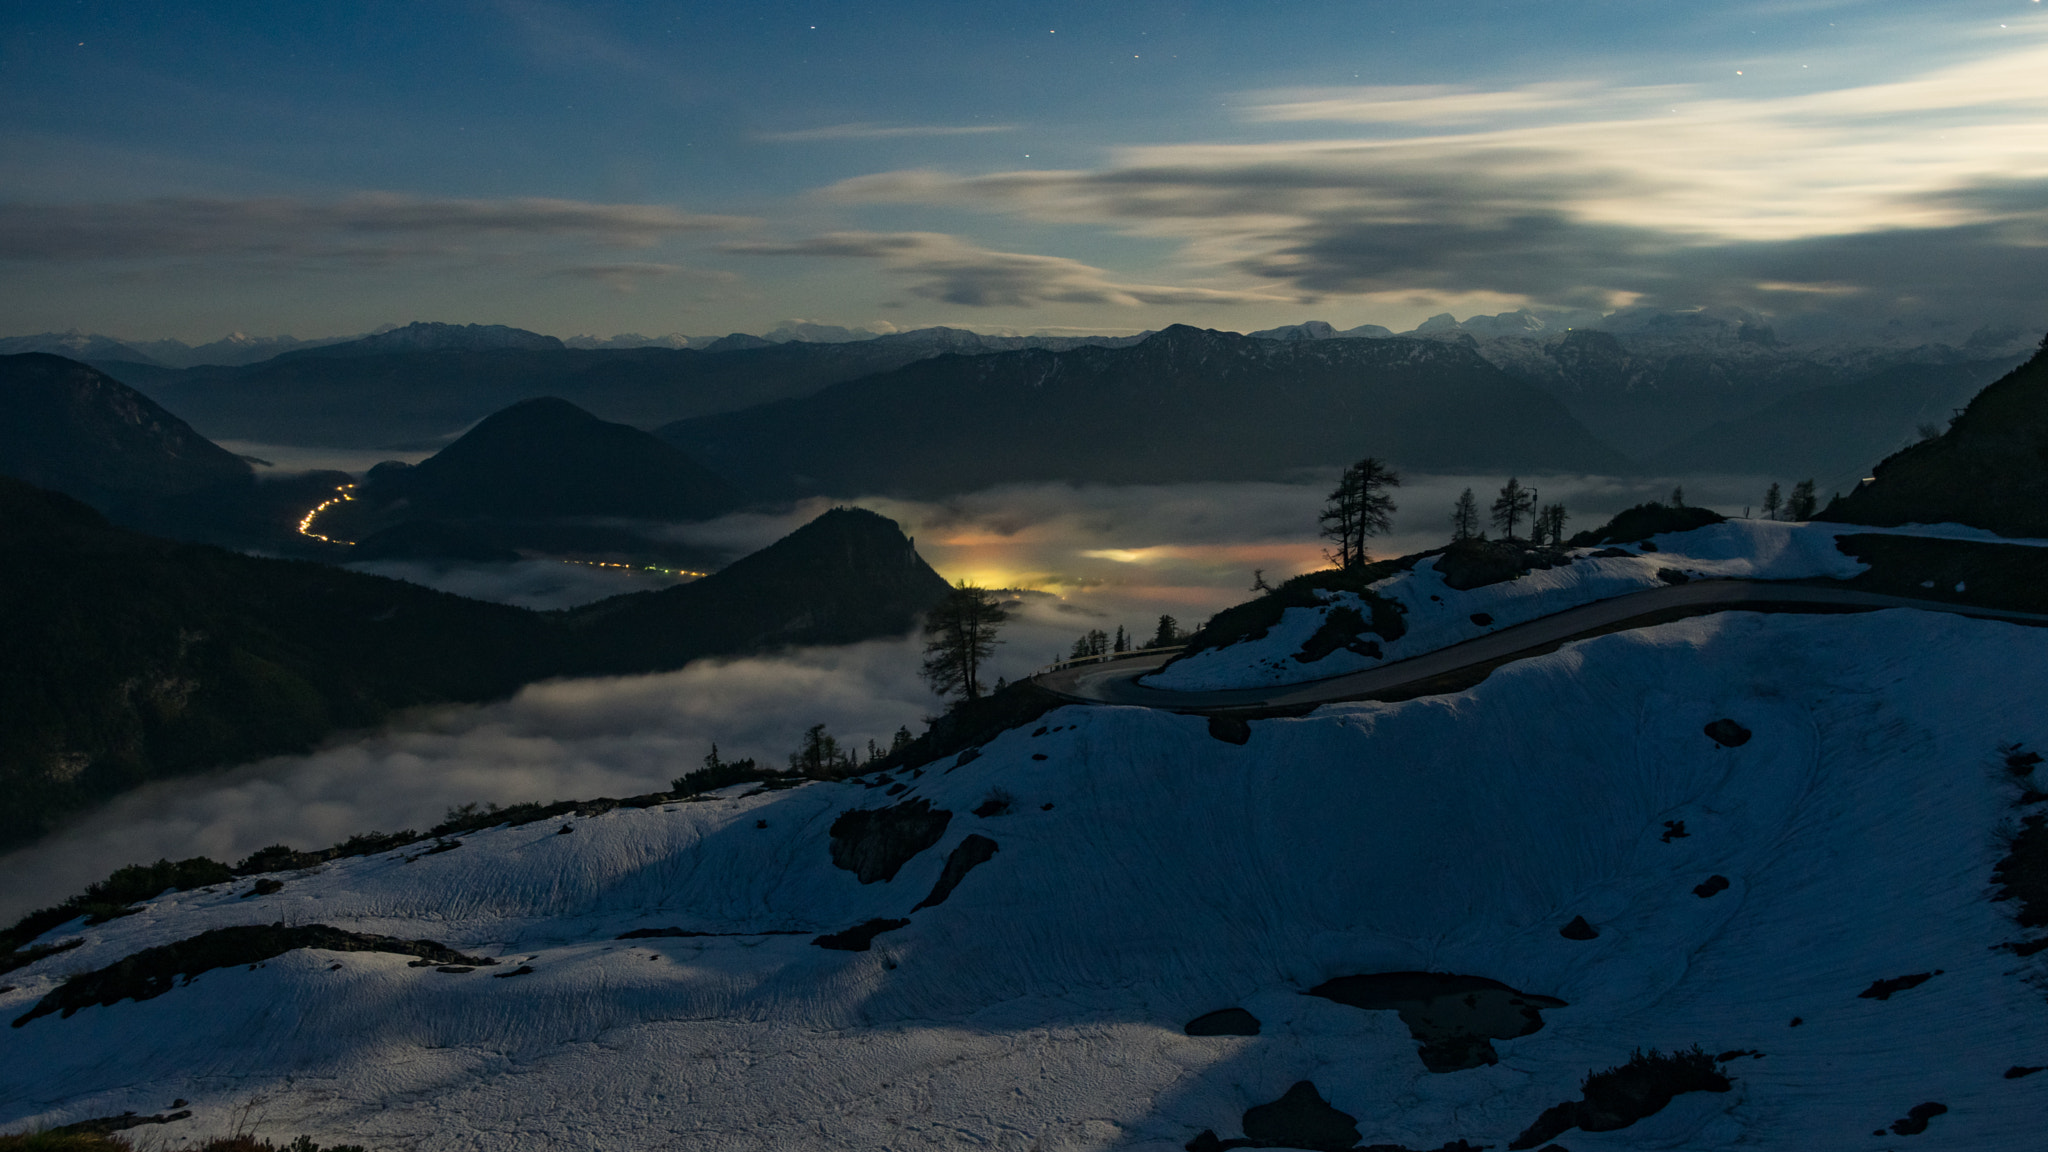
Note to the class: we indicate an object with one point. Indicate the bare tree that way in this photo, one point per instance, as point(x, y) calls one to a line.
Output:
point(1514, 503)
point(960, 634)
point(1552, 517)
point(1773, 501)
point(1358, 510)
point(1465, 517)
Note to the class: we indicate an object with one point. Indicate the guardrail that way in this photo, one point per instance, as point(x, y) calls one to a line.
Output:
point(1106, 657)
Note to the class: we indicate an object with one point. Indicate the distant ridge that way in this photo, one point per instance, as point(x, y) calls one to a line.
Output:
point(1184, 404)
point(423, 336)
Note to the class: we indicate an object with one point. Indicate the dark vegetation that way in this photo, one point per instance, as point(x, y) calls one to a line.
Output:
point(1215, 406)
point(1727, 733)
point(1643, 521)
point(860, 937)
point(968, 724)
point(2022, 875)
point(1579, 929)
point(1915, 1120)
point(1622, 1095)
point(2013, 577)
point(1985, 470)
point(1884, 989)
point(1713, 886)
point(1453, 1017)
point(98, 1136)
point(1478, 562)
point(874, 843)
point(1223, 1022)
point(151, 972)
point(1253, 618)
point(134, 658)
point(1301, 1118)
point(971, 853)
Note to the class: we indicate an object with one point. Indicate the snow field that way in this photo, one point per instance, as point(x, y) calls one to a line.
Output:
point(1175, 874)
point(1439, 616)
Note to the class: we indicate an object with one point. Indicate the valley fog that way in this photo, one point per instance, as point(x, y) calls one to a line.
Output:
point(1089, 557)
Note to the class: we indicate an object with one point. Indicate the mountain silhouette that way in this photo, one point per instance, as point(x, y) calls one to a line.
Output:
point(1986, 470)
point(1185, 404)
point(70, 427)
point(546, 458)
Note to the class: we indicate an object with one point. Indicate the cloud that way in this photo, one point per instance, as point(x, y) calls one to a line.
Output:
point(573, 739)
point(872, 131)
point(1577, 194)
point(952, 270)
point(628, 276)
point(370, 225)
point(1416, 104)
point(1114, 556)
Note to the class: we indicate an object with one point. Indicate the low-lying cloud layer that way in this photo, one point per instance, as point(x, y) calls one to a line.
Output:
point(1101, 557)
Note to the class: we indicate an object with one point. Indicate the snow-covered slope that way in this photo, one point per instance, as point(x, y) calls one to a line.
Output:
point(1438, 615)
point(1145, 873)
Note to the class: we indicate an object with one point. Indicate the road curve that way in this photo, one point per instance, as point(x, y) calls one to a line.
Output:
point(1115, 682)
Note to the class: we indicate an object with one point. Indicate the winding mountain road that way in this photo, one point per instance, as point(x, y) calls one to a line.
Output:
point(1460, 665)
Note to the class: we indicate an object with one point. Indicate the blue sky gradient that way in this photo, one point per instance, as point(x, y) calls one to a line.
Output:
point(700, 168)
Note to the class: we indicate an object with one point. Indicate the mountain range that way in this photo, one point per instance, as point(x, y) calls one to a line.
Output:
point(1184, 404)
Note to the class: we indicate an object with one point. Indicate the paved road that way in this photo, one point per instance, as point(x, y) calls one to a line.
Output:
point(1115, 682)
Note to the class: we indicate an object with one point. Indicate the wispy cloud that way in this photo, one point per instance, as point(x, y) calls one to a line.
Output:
point(952, 270)
point(1910, 191)
point(872, 131)
point(373, 224)
point(1418, 104)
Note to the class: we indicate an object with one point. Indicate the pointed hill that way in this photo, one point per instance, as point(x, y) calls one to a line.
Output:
point(1989, 470)
point(848, 575)
point(134, 658)
point(546, 459)
point(70, 427)
point(1184, 404)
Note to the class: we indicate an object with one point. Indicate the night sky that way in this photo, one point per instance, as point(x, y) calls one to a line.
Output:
point(187, 170)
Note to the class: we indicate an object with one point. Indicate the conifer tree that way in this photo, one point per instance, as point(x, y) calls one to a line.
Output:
point(1168, 634)
point(1514, 503)
point(1358, 510)
point(960, 634)
point(1772, 502)
point(1803, 504)
point(1465, 517)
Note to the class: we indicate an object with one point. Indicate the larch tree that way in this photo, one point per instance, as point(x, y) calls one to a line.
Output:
point(1465, 517)
point(960, 635)
point(1773, 500)
point(1359, 509)
point(1514, 503)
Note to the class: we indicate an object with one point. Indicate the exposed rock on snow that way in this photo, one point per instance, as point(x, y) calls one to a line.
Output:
point(1620, 1096)
point(1452, 1017)
point(965, 857)
point(874, 844)
point(1223, 1022)
point(1046, 1000)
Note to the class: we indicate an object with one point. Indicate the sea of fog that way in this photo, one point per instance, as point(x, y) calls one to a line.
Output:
point(1096, 557)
